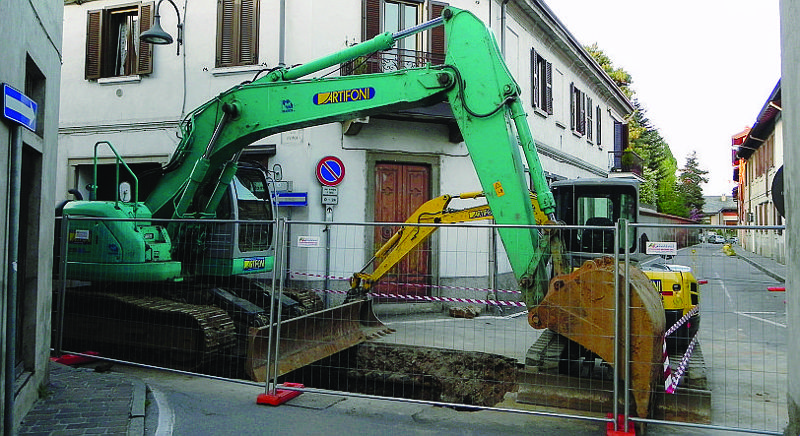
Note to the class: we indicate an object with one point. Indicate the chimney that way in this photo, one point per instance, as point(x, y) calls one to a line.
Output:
point(723, 198)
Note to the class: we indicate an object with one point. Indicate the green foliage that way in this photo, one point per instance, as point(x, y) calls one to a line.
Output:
point(690, 179)
point(662, 186)
point(648, 191)
point(618, 75)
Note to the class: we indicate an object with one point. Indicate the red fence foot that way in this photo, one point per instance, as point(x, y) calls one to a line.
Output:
point(620, 424)
point(73, 359)
point(279, 396)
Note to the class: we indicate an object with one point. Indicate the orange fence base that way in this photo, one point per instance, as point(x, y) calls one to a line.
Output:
point(620, 424)
point(279, 396)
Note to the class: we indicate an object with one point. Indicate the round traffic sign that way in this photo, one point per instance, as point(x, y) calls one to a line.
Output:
point(330, 171)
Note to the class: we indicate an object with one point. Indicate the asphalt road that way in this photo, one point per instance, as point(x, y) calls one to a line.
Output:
point(743, 335)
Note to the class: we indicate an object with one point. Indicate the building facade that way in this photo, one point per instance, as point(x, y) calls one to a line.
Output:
point(31, 37)
point(133, 95)
point(757, 158)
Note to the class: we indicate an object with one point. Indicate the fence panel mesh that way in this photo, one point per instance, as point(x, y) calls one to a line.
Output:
point(448, 324)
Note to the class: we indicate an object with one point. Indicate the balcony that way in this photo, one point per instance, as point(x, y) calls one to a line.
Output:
point(398, 59)
point(625, 161)
point(390, 60)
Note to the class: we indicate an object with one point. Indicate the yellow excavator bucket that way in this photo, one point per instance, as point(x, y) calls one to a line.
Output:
point(309, 338)
point(581, 307)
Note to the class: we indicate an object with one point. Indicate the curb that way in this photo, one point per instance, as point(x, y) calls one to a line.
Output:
point(762, 269)
point(136, 425)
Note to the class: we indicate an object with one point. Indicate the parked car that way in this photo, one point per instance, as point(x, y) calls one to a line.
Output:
point(733, 240)
point(717, 239)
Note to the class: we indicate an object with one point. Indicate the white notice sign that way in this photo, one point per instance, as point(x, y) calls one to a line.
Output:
point(662, 248)
point(308, 241)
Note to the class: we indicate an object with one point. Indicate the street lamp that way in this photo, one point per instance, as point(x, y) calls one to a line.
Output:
point(156, 35)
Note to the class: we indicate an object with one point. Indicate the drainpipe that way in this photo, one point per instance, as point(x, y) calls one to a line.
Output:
point(11, 302)
point(503, 27)
point(282, 35)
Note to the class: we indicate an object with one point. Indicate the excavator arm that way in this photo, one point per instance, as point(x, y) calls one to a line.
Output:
point(407, 238)
point(486, 104)
point(475, 81)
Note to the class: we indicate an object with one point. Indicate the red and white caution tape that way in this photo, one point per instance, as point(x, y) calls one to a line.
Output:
point(672, 380)
point(682, 321)
point(411, 285)
point(448, 299)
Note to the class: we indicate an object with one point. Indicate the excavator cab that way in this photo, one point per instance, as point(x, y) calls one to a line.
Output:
point(247, 245)
point(596, 203)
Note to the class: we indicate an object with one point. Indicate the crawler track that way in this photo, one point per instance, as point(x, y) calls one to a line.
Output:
point(146, 329)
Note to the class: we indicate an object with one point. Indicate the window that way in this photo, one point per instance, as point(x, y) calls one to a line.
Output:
point(398, 16)
point(541, 83)
point(577, 116)
point(599, 132)
point(112, 41)
point(237, 33)
point(394, 15)
point(589, 121)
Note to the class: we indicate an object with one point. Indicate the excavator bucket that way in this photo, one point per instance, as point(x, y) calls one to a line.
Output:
point(309, 338)
point(581, 307)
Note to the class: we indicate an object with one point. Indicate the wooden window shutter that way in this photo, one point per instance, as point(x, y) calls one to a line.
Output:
point(589, 118)
point(237, 32)
point(225, 32)
point(372, 18)
point(94, 44)
point(572, 106)
point(248, 48)
point(144, 60)
point(437, 41)
point(599, 131)
point(371, 22)
point(549, 89)
point(534, 80)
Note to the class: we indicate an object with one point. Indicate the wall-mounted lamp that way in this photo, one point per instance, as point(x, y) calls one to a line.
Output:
point(156, 35)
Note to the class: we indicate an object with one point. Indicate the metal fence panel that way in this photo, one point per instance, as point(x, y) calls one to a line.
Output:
point(451, 326)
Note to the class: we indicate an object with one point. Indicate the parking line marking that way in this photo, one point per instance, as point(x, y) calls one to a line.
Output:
point(745, 314)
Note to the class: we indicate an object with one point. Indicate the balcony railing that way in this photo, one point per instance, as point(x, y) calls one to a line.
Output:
point(390, 60)
point(625, 161)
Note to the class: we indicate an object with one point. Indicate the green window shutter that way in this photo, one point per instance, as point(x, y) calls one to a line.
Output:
point(94, 44)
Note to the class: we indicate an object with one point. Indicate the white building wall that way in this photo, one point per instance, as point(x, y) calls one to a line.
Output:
point(140, 115)
point(30, 34)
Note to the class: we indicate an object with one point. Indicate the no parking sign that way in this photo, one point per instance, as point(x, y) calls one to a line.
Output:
point(330, 171)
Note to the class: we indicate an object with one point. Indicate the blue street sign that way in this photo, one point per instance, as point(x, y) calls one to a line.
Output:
point(18, 107)
point(330, 171)
point(289, 199)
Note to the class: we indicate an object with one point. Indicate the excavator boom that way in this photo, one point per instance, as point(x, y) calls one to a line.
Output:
point(485, 101)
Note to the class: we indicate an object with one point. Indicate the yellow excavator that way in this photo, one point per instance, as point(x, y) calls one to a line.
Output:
point(112, 243)
point(579, 304)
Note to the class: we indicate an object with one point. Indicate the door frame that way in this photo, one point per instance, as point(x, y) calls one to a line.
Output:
point(432, 161)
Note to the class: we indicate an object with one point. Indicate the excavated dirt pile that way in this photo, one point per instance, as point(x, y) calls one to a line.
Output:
point(420, 373)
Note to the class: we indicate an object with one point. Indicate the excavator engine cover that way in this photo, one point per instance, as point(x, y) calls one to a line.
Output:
point(581, 306)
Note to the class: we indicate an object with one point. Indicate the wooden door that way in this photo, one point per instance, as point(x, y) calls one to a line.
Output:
point(399, 190)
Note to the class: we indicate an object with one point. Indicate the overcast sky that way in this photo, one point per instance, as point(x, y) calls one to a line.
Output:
point(703, 68)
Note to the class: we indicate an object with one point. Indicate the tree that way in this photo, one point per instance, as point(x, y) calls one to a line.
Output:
point(621, 77)
point(662, 186)
point(690, 179)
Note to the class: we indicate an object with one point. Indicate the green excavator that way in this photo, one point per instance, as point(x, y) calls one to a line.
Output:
point(110, 243)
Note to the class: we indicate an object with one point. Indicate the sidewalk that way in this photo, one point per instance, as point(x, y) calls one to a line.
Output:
point(767, 265)
point(82, 401)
